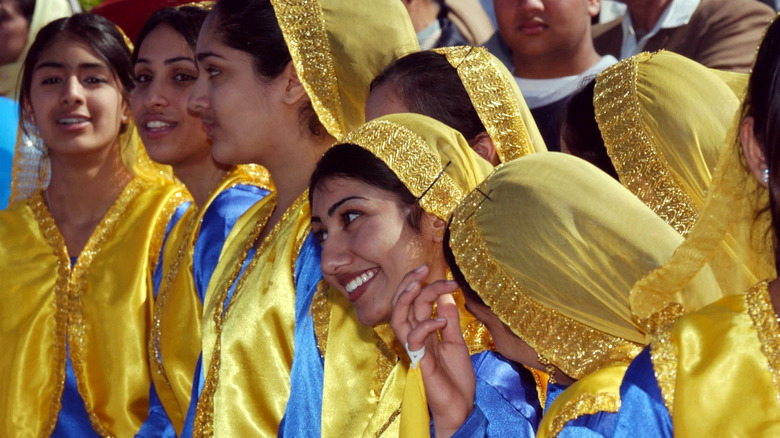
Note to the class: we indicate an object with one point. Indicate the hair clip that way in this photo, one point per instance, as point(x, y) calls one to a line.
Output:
point(485, 196)
point(434, 181)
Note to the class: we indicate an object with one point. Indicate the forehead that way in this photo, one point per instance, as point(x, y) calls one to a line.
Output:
point(69, 52)
point(163, 40)
point(335, 188)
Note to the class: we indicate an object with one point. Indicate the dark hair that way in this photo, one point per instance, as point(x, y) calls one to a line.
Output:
point(251, 26)
point(762, 103)
point(457, 274)
point(581, 133)
point(428, 84)
point(185, 20)
point(95, 31)
point(354, 162)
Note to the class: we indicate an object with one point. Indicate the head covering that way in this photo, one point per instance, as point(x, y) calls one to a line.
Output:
point(431, 159)
point(664, 118)
point(498, 101)
point(336, 52)
point(550, 244)
point(45, 12)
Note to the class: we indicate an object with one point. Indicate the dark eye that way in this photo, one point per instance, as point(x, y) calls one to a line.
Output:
point(350, 216)
point(212, 71)
point(94, 80)
point(52, 80)
point(320, 235)
point(184, 77)
point(143, 77)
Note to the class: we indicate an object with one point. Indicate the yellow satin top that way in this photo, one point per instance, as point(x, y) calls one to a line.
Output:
point(101, 308)
point(175, 344)
point(719, 368)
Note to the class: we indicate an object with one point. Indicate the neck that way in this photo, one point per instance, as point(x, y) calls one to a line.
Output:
point(201, 178)
point(557, 64)
point(645, 13)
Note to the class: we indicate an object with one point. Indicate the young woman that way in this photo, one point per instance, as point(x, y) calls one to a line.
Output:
point(165, 72)
point(546, 251)
point(715, 372)
point(465, 88)
point(280, 80)
point(380, 200)
point(79, 244)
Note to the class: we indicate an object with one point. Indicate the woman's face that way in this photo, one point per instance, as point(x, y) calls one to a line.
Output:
point(75, 99)
point(165, 73)
point(239, 109)
point(367, 244)
point(13, 31)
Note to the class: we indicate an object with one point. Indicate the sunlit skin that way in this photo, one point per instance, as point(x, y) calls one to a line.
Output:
point(165, 73)
point(13, 32)
point(548, 38)
point(78, 106)
point(365, 234)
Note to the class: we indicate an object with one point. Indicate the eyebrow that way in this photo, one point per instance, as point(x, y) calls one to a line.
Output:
point(51, 64)
point(203, 55)
point(168, 61)
point(341, 202)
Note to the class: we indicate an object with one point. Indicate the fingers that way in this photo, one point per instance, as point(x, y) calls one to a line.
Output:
point(417, 336)
point(447, 309)
point(418, 274)
point(423, 303)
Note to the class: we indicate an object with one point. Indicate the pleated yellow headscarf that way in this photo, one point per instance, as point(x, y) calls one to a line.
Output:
point(664, 119)
point(553, 246)
point(498, 101)
point(431, 159)
point(337, 55)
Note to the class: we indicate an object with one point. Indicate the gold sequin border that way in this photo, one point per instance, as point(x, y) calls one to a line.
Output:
point(412, 161)
point(581, 351)
point(664, 359)
point(631, 147)
point(767, 324)
point(584, 404)
point(307, 39)
point(491, 94)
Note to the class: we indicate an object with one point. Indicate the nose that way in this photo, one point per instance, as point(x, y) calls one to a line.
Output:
point(154, 97)
point(198, 101)
point(72, 92)
point(530, 5)
point(335, 256)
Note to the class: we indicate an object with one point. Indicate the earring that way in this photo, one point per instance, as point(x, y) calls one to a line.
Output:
point(765, 176)
point(439, 233)
point(549, 368)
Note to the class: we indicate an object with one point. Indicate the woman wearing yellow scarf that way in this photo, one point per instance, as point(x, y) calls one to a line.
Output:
point(715, 371)
point(546, 251)
point(280, 81)
point(79, 243)
point(467, 89)
point(380, 199)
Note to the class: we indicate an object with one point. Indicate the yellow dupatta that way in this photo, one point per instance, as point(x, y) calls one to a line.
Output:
point(549, 243)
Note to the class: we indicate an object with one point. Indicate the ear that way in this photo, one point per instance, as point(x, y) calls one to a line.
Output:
point(484, 147)
point(752, 149)
point(594, 7)
point(438, 226)
point(294, 90)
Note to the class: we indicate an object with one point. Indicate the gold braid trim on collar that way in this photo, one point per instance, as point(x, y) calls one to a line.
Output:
point(584, 404)
point(631, 147)
point(767, 323)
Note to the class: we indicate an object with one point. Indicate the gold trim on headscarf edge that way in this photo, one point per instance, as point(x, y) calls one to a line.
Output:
point(307, 40)
point(61, 303)
point(767, 323)
point(631, 147)
point(584, 404)
point(412, 161)
point(206, 5)
point(664, 359)
point(489, 92)
point(537, 325)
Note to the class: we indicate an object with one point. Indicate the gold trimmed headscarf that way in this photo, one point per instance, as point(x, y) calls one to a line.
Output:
point(498, 101)
point(431, 159)
point(664, 119)
point(553, 246)
point(336, 53)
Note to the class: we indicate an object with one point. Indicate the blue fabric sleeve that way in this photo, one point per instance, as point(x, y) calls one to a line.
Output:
point(642, 409)
point(218, 220)
point(597, 425)
point(506, 403)
point(73, 419)
point(189, 421)
point(157, 424)
point(158, 270)
point(302, 416)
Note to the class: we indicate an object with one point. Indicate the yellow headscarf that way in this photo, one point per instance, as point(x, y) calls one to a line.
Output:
point(498, 101)
point(45, 12)
point(664, 118)
point(551, 244)
point(337, 55)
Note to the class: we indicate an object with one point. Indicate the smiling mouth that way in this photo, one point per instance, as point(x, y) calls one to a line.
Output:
point(359, 281)
point(71, 120)
point(157, 125)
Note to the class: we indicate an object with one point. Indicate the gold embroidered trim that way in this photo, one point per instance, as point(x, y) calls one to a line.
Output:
point(541, 379)
point(51, 233)
point(307, 39)
point(663, 319)
point(161, 225)
point(389, 423)
point(412, 161)
point(542, 328)
point(491, 94)
point(664, 358)
point(584, 404)
point(320, 312)
point(631, 147)
point(767, 324)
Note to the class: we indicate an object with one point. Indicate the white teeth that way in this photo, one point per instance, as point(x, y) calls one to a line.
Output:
point(156, 124)
point(358, 281)
point(70, 121)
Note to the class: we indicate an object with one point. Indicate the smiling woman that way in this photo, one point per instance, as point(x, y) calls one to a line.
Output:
point(78, 243)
